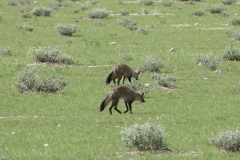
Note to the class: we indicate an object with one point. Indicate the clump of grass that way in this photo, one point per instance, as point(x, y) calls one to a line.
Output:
point(146, 2)
point(120, 1)
point(41, 12)
point(25, 2)
point(124, 12)
point(128, 23)
point(12, 2)
point(26, 15)
point(231, 53)
point(4, 50)
point(236, 88)
point(235, 21)
point(54, 4)
point(224, 14)
point(209, 61)
point(165, 80)
point(143, 31)
point(215, 9)
point(198, 13)
point(67, 29)
point(166, 3)
point(27, 81)
point(151, 64)
point(51, 55)
point(147, 136)
point(1, 17)
point(228, 2)
point(234, 34)
point(126, 56)
point(98, 13)
point(94, 2)
point(135, 85)
point(227, 140)
point(25, 27)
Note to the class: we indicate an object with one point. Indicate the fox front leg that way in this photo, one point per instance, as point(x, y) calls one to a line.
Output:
point(130, 106)
point(129, 79)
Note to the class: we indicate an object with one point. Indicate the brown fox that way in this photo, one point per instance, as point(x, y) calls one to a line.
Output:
point(125, 93)
point(122, 71)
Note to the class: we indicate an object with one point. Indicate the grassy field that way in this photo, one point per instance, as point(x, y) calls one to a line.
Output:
point(68, 124)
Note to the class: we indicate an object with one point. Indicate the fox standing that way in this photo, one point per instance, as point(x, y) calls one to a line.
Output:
point(122, 71)
point(125, 93)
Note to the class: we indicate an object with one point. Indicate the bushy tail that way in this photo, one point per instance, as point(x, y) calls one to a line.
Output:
point(105, 103)
point(109, 78)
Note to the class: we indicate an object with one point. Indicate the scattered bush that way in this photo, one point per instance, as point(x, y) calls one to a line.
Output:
point(25, 27)
point(98, 13)
point(135, 85)
point(234, 34)
point(123, 12)
point(235, 21)
point(146, 2)
point(165, 80)
point(51, 55)
point(227, 140)
point(94, 2)
point(120, 1)
point(166, 3)
point(151, 64)
point(228, 2)
point(4, 50)
point(215, 9)
point(143, 31)
point(126, 56)
point(26, 15)
point(231, 53)
point(148, 136)
point(209, 61)
point(224, 14)
point(128, 23)
point(67, 29)
point(25, 2)
point(12, 2)
point(27, 82)
point(236, 88)
point(198, 13)
point(41, 12)
point(54, 4)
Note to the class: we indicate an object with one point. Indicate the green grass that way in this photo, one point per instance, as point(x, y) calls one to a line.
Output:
point(191, 113)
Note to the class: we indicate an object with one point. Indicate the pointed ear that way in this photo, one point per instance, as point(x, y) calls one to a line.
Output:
point(139, 71)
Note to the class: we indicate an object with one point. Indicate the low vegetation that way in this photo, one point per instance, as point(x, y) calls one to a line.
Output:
point(67, 29)
point(210, 61)
point(4, 50)
point(98, 13)
point(41, 12)
point(165, 80)
point(128, 23)
point(231, 53)
point(152, 64)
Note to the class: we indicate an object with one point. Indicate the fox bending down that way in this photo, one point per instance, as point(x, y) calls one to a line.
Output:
point(125, 93)
point(122, 70)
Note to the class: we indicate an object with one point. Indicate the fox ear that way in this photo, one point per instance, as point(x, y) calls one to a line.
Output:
point(139, 71)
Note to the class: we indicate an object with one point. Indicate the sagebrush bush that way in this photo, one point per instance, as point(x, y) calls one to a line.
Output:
point(26, 15)
point(151, 64)
point(165, 80)
point(228, 2)
point(147, 136)
point(26, 27)
point(234, 34)
point(4, 50)
point(67, 29)
point(146, 2)
point(143, 31)
point(215, 9)
point(135, 85)
point(25, 2)
point(128, 23)
point(166, 3)
point(198, 13)
point(12, 2)
point(126, 56)
point(51, 55)
point(227, 140)
point(209, 61)
point(231, 53)
point(28, 81)
point(124, 12)
point(41, 12)
point(224, 14)
point(98, 13)
point(235, 21)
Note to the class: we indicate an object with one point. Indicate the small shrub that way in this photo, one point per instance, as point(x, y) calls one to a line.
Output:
point(215, 9)
point(123, 12)
point(94, 2)
point(25, 2)
point(151, 64)
point(4, 50)
point(227, 140)
point(234, 34)
point(143, 31)
point(146, 2)
point(84, 7)
point(98, 13)
point(198, 13)
point(236, 88)
point(165, 80)
point(228, 2)
point(26, 15)
point(67, 29)
point(12, 2)
point(235, 21)
point(167, 3)
point(120, 1)
point(25, 27)
point(135, 85)
point(27, 82)
point(126, 56)
point(41, 12)
point(209, 61)
point(54, 4)
point(231, 53)
point(128, 23)
point(148, 136)
point(224, 14)
point(51, 55)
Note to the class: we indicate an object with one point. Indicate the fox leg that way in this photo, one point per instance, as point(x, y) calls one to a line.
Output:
point(114, 104)
point(130, 106)
point(123, 79)
point(129, 79)
point(117, 109)
point(126, 105)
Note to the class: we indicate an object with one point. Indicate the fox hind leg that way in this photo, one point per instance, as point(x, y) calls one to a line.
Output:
point(130, 107)
point(126, 105)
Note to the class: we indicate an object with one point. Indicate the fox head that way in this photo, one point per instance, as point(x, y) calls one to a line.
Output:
point(135, 74)
point(141, 96)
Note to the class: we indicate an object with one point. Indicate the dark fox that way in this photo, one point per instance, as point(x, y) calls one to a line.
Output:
point(125, 93)
point(122, 71)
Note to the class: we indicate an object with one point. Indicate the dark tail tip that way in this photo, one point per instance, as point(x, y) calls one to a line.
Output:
point(109, 78)
point(102, 106)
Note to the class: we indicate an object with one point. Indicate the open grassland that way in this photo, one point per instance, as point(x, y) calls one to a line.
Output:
point(69, 123)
